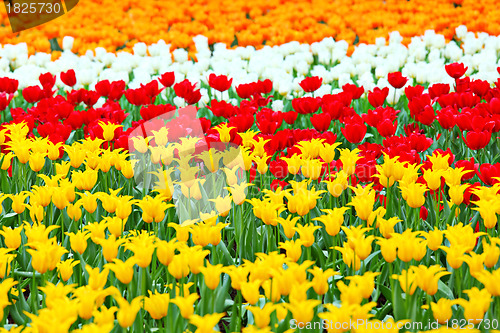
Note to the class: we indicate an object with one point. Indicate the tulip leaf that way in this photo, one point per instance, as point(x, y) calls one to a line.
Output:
point(444, 290)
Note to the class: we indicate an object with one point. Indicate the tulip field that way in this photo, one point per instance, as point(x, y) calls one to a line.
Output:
point(194, 168)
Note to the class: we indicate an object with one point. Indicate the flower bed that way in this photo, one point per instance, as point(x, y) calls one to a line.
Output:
point(119, 25)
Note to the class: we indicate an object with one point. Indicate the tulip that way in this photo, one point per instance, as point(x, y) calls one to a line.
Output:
point(128, 311)
point(5, 261)
point(388, 249)
point(293, 249)
point(333, 219)
point(124, 270)
point(476, 307)
point(311, 84)
point(68, 77)
point(454, 255)
point(397, 80)
point(306, 233)
point(219, 82)
point(434, 239)
point(157, 305)
point(262, 317)
point(12, 237)
point(196, 259)
point(211, 274)
point(321, 121)
point(349, 257)
point(78, 241)
point(349, 159)
point(167, 79)
point(407, 281)
point(492, 254)
point(250, 291)
point(18, 205)
point(354, 131)
point(65, 268)
point(320, 280)
point(206, 323)
point(413, 193)
point(428, 277)
point(442, 310)
point(97, 279)
point(185, 304)
point(303, 312)
point(110, 246)
point(455, 70)
point(38, 233)
point(179, 267)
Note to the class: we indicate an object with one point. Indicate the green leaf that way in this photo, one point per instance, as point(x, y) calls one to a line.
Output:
point(444, 290)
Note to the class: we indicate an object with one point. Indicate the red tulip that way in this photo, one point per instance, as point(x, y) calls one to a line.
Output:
point(397, 80)
point(167, 79)
point(47, 81)
point(311, 84)
point(32, 94)
point(137, 97)
point(186, 90)
point(446, 118)
point(427, 116)
point(487, 172)
point(439, 89)
point(278, 183)
point(74, 120)
point(377, 96)
point(243, 122)
point(423, 213)
point(495, 105)
point(414, 91)
point(455, 70)
point(478, 140)
point(387, 128)
point(321, 121)
point(246, 90)
point(354, 131)
point(480, 87)
point(222, 108)
point(354, 90)
point(68, 78)
point(8, 85)
point(205, 124)
point(468, 166)
point(103, 87)
point(5, 100)
point(464, 120)
point(306, 105)
point(151, 90)
point(89, 97)
point(334, 109)
point(116, 90)
point(219, 82)
point(279, 168)
point(152, 111)
point(264, 87)
point(462, 85)
point(268, 121)
point(419, 142)
point(290, 117)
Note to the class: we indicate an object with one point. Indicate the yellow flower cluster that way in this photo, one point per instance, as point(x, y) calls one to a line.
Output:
point(120, 24)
